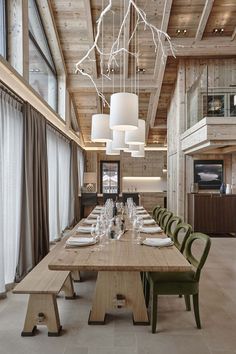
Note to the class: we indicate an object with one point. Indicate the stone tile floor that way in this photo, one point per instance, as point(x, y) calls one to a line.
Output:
point(177, 333)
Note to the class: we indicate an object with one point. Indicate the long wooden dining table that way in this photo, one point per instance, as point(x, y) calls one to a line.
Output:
point(119, 263)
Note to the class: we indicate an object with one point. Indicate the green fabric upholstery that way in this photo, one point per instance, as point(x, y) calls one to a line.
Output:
point(155, 210)
point(186, 283)
point(185, 230)
point(172, 276)
point(159, 213)
point(165, 217)
point(173, 222)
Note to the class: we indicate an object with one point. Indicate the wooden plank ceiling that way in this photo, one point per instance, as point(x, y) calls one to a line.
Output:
point(191, 25)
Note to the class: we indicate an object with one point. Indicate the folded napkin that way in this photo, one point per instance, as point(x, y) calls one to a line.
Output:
point(158, 242)
point(141, 212)
point(89, 221)
point(84, 229)
point(149, 222)
point(93, 216)
point(144, 216)
point(151, 230)
point(95, 211)
point(77, 241)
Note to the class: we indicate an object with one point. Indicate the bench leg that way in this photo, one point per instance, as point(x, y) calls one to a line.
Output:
point(76, 276)
point(42, 310)
point(68, 288)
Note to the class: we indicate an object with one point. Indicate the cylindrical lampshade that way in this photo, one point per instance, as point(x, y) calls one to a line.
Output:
point(118, 142)
point(136, 137)
point(140, 153)
point(234, 100)
point(109, 150)
point(133, 148)
point(124, 111)
point(101, 131)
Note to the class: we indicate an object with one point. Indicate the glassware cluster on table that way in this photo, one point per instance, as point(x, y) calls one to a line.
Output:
point(110, 224)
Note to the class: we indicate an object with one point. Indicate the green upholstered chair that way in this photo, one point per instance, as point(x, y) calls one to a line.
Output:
point(155, 210)
point(173, 222)
point(184, 230)
point(159, 213)
point(174, 283)
point(165, 217)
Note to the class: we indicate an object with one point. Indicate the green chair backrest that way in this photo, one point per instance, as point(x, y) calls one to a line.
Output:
point(159, 215)
point(197, 263)
point(155, 210)
point(173, 222)
point(165, 217)
point(184, 230)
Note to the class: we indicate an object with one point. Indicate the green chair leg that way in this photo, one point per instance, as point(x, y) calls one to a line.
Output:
point(147, 293)
point(196, 310)
point(154, 312)
point(187, 302)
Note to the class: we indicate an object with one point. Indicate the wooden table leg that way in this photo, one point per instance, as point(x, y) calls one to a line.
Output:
point(42, 306)
point(128, 286)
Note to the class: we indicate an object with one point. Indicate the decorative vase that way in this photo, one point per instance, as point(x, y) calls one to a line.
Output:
point(228, 189)
point(222, 188)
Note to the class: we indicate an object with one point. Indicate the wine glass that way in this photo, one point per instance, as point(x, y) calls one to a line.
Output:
point(139, 225)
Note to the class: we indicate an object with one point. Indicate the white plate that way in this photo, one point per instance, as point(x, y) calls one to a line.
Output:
point(78, 244)
point(147, 243)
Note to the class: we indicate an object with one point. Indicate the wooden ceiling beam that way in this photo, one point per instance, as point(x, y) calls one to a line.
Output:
point(87, 6)
point(203, 20)
point(76, 83)
point(188, 47)
point(154, 99)
point(164, 27)
point(159, 70)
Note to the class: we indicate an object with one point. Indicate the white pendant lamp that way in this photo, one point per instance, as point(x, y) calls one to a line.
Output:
point(140, 153)
point(124, 111)
point(118, 142)
point(101, 131)
point(109, 149)
point(136, 137)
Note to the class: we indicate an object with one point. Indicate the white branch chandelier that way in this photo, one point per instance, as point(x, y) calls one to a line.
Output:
point(158, 37)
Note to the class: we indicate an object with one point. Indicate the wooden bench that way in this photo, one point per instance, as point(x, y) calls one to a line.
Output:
point(43, 285)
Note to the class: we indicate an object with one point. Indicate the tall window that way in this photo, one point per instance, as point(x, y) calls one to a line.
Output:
point(59, 157)
point(110, 177)
point(11, 168)
point(42, 71)
point(2, 28)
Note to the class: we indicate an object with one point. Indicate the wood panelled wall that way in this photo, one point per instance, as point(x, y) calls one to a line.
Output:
point(149, 166)
point(222, 73)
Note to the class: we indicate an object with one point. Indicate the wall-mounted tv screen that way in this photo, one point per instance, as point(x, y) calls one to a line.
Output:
point(208, 173)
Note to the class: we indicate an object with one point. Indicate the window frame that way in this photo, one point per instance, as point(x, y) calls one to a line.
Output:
point(4, 35)
point(101, 174)
point(37, 46)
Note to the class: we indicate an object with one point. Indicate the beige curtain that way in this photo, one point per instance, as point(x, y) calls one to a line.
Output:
point(34, 233)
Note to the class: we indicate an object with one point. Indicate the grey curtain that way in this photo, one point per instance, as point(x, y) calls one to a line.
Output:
point(34, 233)
point(75, 207)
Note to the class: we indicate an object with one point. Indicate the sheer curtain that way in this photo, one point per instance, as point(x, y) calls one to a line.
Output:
point(11, 162)
point(80, 158)
point(59, 181)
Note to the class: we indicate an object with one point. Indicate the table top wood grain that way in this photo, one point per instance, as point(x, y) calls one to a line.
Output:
point(119, 255)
